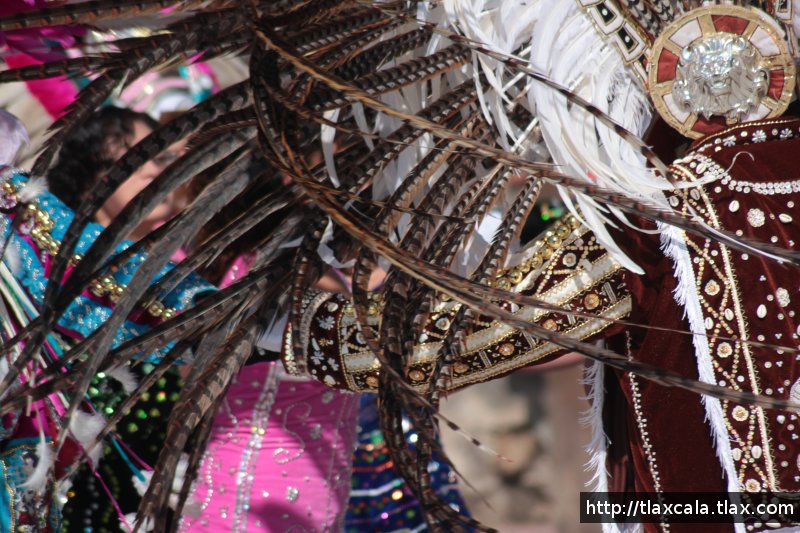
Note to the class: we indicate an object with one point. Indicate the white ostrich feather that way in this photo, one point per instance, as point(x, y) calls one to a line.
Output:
point(11, 255)
point(125, 377)
point(37, 481)
point(33, 189)
point(85, 427)
point(13, 135)
point(563, 44)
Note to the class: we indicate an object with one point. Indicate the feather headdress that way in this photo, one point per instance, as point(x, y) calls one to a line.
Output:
point(422, 113)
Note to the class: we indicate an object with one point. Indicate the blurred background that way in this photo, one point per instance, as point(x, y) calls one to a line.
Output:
point(533, 419)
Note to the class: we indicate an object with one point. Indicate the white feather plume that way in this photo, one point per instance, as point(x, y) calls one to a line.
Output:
point(11, 255)
point(37, 481)
point(561, 42)
point(12, 136)
point(85, 427)
point(32, 189)
point(125, 377)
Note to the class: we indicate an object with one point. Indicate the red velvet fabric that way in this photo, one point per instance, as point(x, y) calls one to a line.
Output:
point(768, 294)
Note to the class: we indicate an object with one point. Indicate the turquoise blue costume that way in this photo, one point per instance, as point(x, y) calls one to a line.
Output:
point(23, 279)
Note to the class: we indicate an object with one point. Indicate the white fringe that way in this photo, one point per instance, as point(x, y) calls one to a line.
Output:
point(593, 378)
point(593, 418)
point(674, 247)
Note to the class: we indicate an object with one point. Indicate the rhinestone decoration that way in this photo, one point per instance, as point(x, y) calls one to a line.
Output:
point(756, 218)
point(292, 494)
point(756, 451)
point(712, 69)
point(729, 73)
point(591, 301)
point(783, 297)
point(712, 288)
point(506, 349)
point(752, 485)
point(724, 349)
point(740, 413)
point(416, 375)
point(443, 323)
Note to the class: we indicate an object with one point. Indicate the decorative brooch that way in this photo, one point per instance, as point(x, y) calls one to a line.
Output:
point(720, 65)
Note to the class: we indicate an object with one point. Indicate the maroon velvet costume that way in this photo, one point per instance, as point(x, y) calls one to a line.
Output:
point(659, 439)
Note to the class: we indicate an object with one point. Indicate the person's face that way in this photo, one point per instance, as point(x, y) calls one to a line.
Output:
point(138, 181)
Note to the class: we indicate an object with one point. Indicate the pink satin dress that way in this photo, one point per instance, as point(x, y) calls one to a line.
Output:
point(280, 455)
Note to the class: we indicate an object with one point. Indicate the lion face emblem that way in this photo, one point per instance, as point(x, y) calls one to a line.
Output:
point(720, 75)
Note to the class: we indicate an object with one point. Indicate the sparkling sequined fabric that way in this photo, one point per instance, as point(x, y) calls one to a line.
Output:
point(279, 457)
point(379, 500)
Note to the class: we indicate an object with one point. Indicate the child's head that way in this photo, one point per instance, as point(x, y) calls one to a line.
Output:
point(90, 150)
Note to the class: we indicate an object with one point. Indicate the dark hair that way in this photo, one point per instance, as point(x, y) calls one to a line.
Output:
point(86, 152)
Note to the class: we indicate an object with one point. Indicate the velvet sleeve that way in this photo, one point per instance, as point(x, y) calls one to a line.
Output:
point(567, 268)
